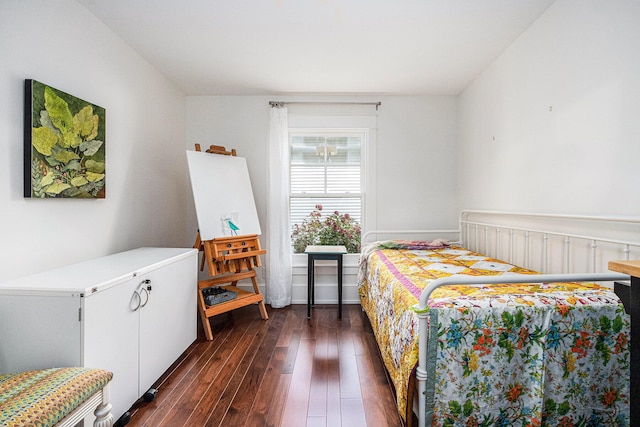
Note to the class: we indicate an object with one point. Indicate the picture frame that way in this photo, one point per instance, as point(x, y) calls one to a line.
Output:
point(64, 145)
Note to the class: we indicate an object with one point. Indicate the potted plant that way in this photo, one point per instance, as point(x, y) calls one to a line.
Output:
point(334, 229)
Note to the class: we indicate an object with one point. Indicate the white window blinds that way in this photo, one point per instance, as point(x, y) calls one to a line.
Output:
point(326, 170)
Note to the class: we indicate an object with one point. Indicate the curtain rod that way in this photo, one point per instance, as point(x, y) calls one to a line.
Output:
point(283, 103)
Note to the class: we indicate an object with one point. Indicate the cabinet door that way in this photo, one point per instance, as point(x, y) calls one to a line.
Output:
point(39, 331)
point(168, 321)
point(111, 340)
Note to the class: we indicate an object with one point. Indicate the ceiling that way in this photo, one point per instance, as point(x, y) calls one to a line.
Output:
point(260, 47)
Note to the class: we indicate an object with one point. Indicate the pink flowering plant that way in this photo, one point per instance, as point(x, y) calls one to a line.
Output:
point(335, 229)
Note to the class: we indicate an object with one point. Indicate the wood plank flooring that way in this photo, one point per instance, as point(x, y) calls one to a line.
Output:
point(288, 371)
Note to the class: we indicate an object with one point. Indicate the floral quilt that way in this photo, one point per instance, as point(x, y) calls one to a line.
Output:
point(552, 354)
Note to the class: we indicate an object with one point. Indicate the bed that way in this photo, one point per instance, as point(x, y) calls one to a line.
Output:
point(504, 345)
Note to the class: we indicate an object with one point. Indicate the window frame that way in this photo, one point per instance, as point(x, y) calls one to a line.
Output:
point(368, 122)
point(363, 134)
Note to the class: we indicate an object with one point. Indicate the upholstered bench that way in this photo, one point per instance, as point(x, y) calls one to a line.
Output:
point(55, 397)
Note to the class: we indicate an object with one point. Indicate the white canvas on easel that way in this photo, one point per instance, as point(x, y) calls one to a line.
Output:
point(222, 190)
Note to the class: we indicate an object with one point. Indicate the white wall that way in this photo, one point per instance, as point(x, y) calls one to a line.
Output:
point(62, 45)
point(553, 124)
point(415, 152)
point(416, 161)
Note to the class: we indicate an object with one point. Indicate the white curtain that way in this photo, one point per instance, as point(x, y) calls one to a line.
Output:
point(279, 275)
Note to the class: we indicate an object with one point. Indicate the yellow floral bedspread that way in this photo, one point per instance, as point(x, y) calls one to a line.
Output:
point(525, 354)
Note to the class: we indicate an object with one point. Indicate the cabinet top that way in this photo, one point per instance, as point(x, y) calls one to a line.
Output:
point(631, 268)
point(97, 274)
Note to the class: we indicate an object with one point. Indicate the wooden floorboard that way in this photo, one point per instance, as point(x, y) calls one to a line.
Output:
point(241, 406)
point(288, 371)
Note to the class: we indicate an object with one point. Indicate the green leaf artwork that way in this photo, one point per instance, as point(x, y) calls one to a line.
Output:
point(64, 145)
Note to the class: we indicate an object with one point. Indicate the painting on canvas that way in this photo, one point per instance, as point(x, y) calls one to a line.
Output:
point(64, 145)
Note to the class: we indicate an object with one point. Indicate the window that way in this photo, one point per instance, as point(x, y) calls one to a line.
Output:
point(326, 170)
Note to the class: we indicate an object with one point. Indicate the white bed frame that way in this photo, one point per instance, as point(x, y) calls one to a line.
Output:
point(556, 245)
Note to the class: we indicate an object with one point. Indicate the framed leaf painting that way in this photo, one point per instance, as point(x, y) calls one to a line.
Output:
point(64, 144)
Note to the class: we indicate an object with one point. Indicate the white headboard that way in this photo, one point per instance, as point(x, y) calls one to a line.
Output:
point(547, 243)
point(551, 243)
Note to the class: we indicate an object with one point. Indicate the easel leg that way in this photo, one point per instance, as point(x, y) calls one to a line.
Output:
point(261, 306)
point(206, 325)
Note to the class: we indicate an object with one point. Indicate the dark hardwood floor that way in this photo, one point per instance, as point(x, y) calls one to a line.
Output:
point(287, 371)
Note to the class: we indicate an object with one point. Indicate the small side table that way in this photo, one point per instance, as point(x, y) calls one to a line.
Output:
point(323, 253)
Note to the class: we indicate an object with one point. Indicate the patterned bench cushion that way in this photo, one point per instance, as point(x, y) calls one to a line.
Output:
point(44, 397)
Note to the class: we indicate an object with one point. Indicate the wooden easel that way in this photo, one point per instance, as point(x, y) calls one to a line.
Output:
point(228, 260)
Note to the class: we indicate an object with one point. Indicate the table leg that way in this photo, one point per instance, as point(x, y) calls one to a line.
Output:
point(630, 297)
point(313, 282)
point(340, 286)
point(634, 312)
point(309, 283)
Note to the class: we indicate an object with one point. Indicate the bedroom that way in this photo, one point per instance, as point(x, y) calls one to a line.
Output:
point(549, 126)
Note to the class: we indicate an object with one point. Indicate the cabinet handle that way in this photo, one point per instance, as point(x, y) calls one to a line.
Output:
point(147, 299)
point(139, 300)
point(139, 291)
point(146, 287)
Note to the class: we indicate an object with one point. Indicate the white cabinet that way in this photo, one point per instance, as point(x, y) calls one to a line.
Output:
point(132, 313)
